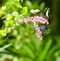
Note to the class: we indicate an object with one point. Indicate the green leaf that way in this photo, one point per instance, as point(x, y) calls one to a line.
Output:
point(42, 6)
point(25, 10)
point(29, 52)
point(43, 54)
point(9, 3)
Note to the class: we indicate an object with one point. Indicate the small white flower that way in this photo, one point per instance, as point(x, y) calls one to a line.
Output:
point(35, 11)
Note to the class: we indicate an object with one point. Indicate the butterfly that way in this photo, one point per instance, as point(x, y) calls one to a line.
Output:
point(46, 13)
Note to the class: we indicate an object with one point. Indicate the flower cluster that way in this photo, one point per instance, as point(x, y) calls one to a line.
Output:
point(34, 20)
point(39, 33)
point(40, 19)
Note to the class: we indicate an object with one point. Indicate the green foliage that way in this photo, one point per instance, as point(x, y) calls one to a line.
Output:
point(21, 43)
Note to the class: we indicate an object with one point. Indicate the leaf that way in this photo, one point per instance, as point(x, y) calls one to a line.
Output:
point(25, 10)
point(9, 3)
point(29, 52)
point(43, 54)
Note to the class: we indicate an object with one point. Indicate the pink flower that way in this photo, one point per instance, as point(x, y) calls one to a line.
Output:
point(40, 19)
point(26, 20)
point(34, 20)
point(39, 33)
point(43, 20)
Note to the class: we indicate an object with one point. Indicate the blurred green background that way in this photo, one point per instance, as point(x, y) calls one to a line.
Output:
point(21, 43)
